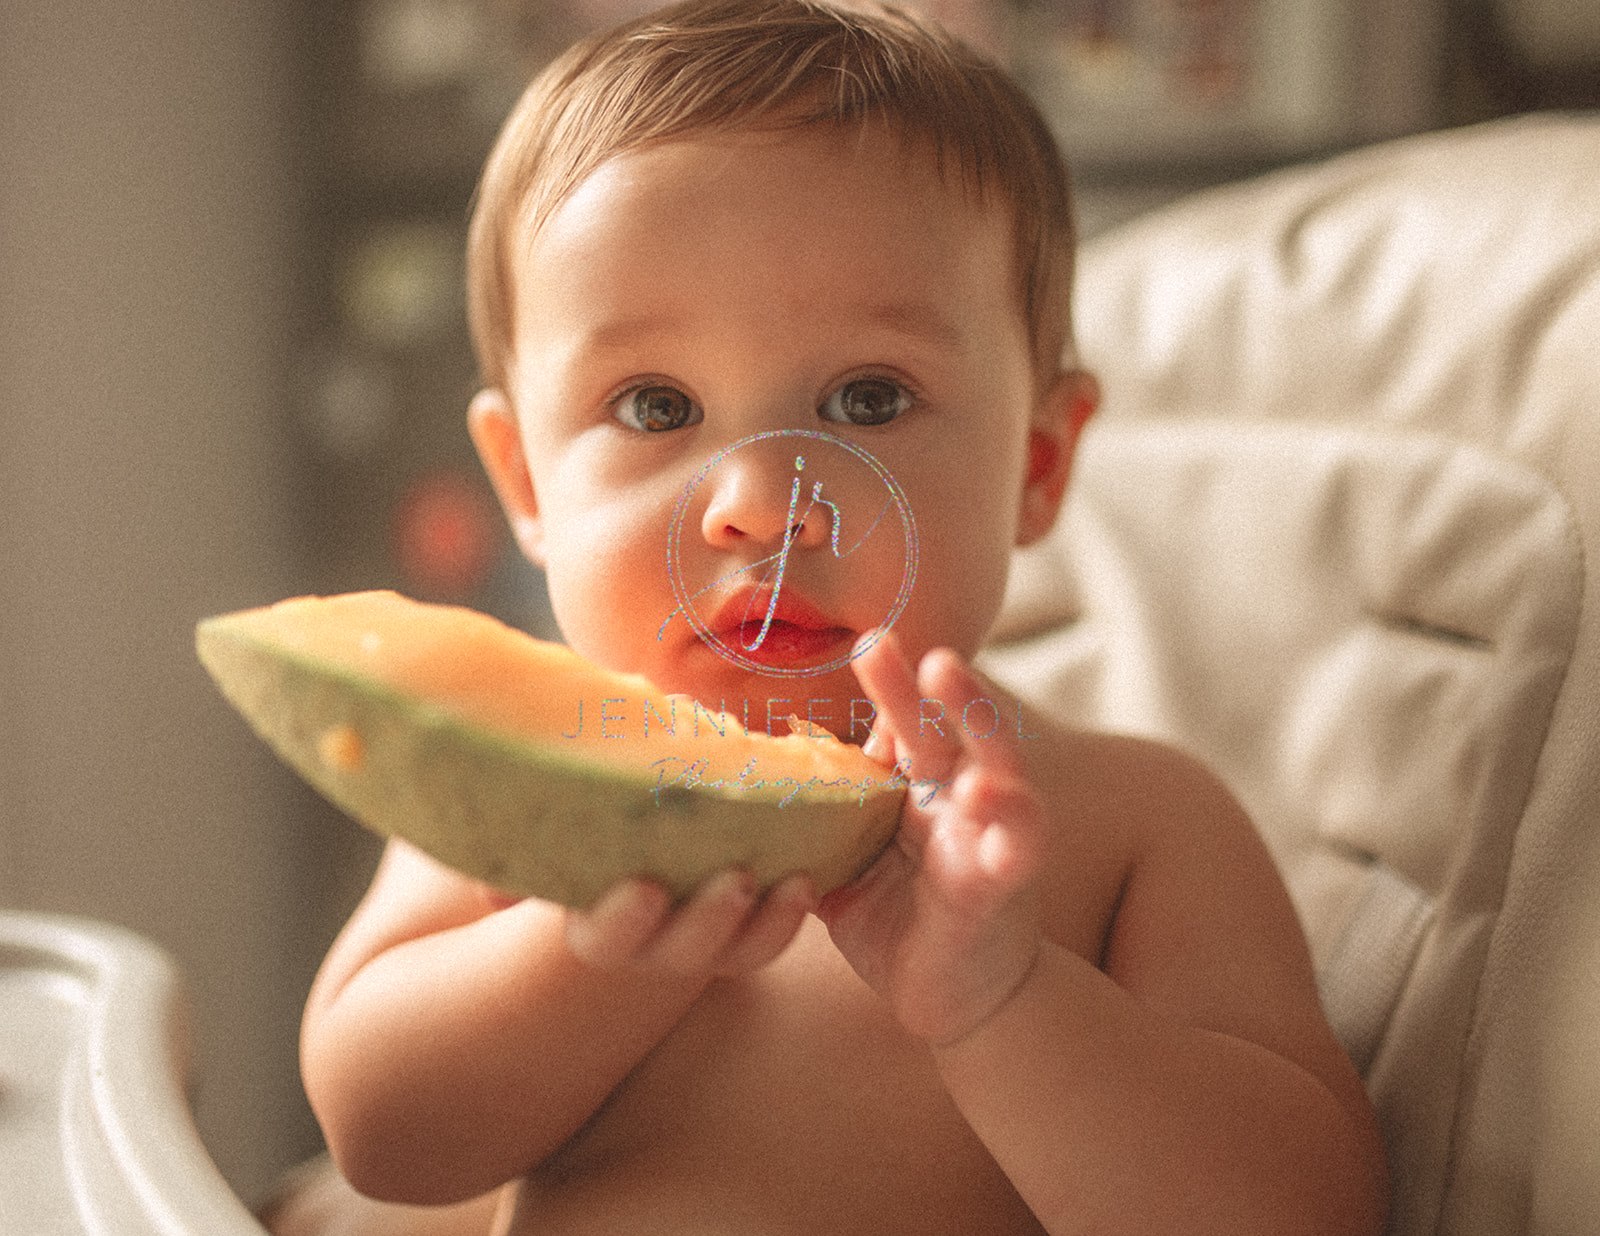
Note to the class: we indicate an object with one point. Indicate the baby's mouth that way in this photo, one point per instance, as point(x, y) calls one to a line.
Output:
point(788, 643)
point(781, 630)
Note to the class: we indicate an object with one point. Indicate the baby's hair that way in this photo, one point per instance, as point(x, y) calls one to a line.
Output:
point(710, 66)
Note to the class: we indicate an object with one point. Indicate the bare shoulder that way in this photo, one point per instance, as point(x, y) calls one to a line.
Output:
point(1202, 929)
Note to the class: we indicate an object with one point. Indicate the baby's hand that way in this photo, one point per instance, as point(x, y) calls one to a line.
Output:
point(945, 925)
point(725, 929)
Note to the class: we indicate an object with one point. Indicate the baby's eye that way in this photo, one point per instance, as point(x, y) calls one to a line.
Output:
point(866, 401)
point(656, 409)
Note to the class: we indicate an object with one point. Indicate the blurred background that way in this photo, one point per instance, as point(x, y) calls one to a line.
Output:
point(233, 367)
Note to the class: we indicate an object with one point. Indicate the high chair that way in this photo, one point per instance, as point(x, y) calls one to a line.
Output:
point(1332, 532)
point(96, 1135)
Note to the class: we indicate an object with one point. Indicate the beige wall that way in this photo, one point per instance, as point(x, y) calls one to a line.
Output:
point(146, 225)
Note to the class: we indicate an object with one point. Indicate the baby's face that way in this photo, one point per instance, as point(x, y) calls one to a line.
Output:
point(690, 323)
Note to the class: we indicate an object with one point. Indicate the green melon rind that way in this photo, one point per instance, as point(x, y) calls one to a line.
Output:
point(516, 814)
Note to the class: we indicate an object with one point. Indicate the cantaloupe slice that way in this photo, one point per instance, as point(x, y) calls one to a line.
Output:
point(447, 728)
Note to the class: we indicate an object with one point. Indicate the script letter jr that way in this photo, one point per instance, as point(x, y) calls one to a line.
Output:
point(790, 531)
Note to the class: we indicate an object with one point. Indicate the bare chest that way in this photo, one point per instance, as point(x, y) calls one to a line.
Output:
point(788, 1101)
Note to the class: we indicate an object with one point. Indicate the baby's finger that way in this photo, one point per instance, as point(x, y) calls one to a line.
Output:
point(880, 743)
point(612, 932)
point(890, 683)
point(920, 737)
point(973, 714)
point(1005, 848)
point(698, 935)
point(773, 925)
point(982, 861)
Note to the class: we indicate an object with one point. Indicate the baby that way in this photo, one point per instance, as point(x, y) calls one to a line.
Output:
point(770, 300)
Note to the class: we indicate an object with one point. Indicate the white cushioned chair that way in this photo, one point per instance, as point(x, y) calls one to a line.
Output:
point(1334, 533)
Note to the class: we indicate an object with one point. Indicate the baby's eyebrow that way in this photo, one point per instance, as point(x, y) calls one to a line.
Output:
point(625, 331)
point(915, 319)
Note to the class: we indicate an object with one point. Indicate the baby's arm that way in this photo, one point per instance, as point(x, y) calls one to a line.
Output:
point(452, 1042)
point(1183, 1080)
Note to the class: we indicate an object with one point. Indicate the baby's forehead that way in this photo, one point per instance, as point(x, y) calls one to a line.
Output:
point(860, 187)
point(691, 207)
point(904, 153)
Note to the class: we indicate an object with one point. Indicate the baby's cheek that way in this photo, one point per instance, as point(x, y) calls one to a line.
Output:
point(610, 601)
point(957, 597)
point(887, 563)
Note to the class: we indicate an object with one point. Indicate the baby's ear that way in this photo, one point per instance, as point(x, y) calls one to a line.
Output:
point(1058, 419)
point(493, 425)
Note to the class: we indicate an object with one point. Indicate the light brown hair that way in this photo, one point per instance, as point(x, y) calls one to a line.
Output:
point(717, 65)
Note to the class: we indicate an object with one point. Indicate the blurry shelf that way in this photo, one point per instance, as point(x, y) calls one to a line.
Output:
point(1138, 87)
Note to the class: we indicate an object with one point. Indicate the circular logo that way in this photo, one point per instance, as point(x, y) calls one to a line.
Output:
point(766, 576)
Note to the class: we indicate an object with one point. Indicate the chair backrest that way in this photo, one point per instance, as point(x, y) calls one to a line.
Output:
point(1333, 532)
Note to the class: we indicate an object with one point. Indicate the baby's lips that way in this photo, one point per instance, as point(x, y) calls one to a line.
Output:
point(754, 604)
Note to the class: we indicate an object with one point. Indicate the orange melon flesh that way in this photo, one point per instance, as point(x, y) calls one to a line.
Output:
point(461, 735)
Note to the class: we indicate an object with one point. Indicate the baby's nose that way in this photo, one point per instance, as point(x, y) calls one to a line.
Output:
point(765, 497)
